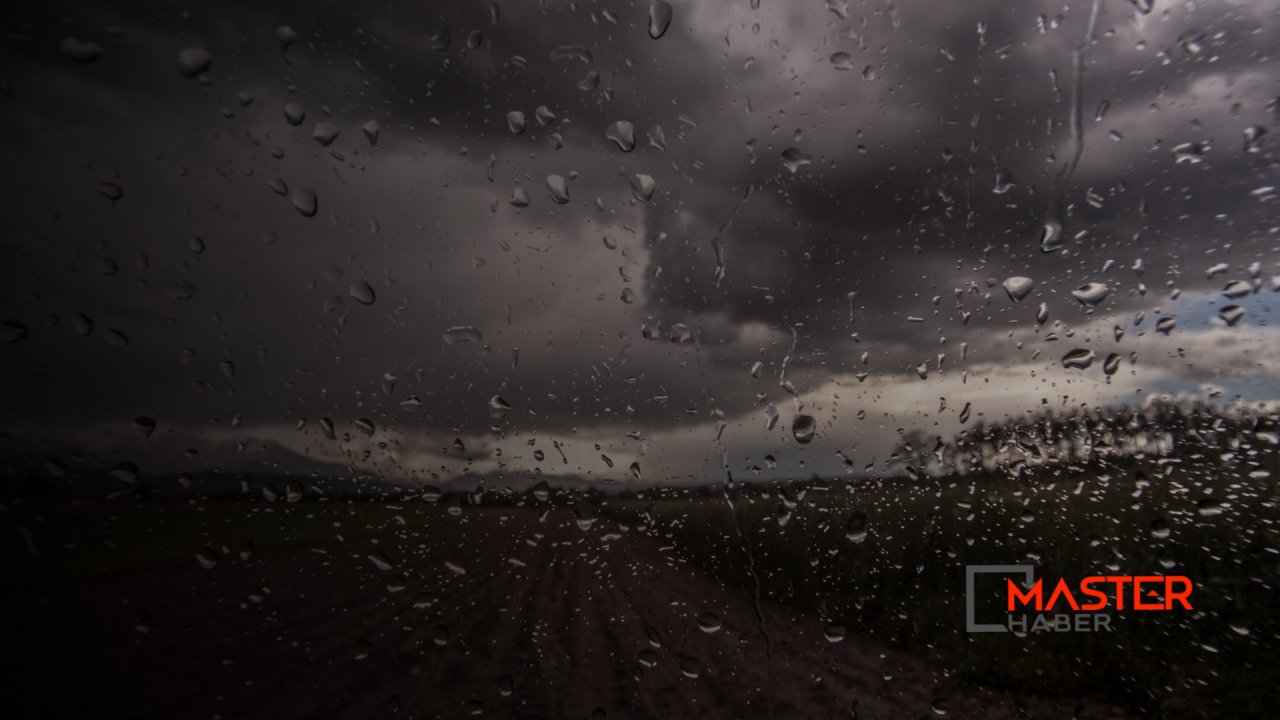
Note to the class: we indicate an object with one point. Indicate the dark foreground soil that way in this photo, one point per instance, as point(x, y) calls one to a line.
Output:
point(501, 613)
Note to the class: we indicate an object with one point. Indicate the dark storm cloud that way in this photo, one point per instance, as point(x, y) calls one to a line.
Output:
point(896, 205)
point(920, 199)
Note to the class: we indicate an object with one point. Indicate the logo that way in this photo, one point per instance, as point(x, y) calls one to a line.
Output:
point(1031, 605)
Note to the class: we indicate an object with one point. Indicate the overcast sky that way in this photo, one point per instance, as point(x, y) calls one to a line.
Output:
point(825, 180)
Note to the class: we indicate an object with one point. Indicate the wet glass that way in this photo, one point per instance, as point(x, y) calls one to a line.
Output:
point(733, 358)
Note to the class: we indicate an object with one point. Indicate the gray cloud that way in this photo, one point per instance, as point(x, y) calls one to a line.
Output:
point(896, 206)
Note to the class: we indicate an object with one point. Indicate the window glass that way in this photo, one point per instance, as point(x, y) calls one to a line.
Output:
point(734, 358)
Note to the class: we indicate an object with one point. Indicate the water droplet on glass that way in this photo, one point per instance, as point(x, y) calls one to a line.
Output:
point(144, 425)
point(380, 561)
point(541, 491)
point(1091, 293)
point(125, 472)
point(623, 134)
point(770, 416)
point(1191, 153)
point(440, 633)
point(111, 191)
point(1253, 138)
point(659, 18)
point(1210, 507)
point(1080, 358)
point(1237, 289)
point(793, 159)
point(294, 113)
point(1051, 237)
point(440, 39)
point(1160, 529)
point(709, 623)
point(498, 408)
point(1018, 287)
point(371, 131)
point(558, 189)
point(80, 51)
point(842, 61)
point(657, 138)
point(803, 428)
point(690, 668)
point(362, 292)
point(462, 334)
point(325, 133)
point(286, 36)
point(207, 559)
point(1111, 364)
point(572, 52)
point(584, 516)
point(193, 61)
point(306, 202)
point(855, 528)
point(642, 187)
point(1004, 181)
point(1231, 314)
point(516, 121)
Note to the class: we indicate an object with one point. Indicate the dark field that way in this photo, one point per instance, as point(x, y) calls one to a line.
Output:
point(507, 605)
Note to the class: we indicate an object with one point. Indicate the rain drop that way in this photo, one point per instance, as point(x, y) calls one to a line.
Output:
point(1231, 314)
point(659, 18)
point(558, 189)
point(623, 134)
point(462, 334)
point(842, 61)
point(793, 159)
point(642, 187)
point(304, 199)
point(516, 121)
point(362, 292)
point(803, 428)
point(1091, 293)
point(1080, 358)
point(1018, 287)
point(294, 113)
point(325, 133)
point(193, 61)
